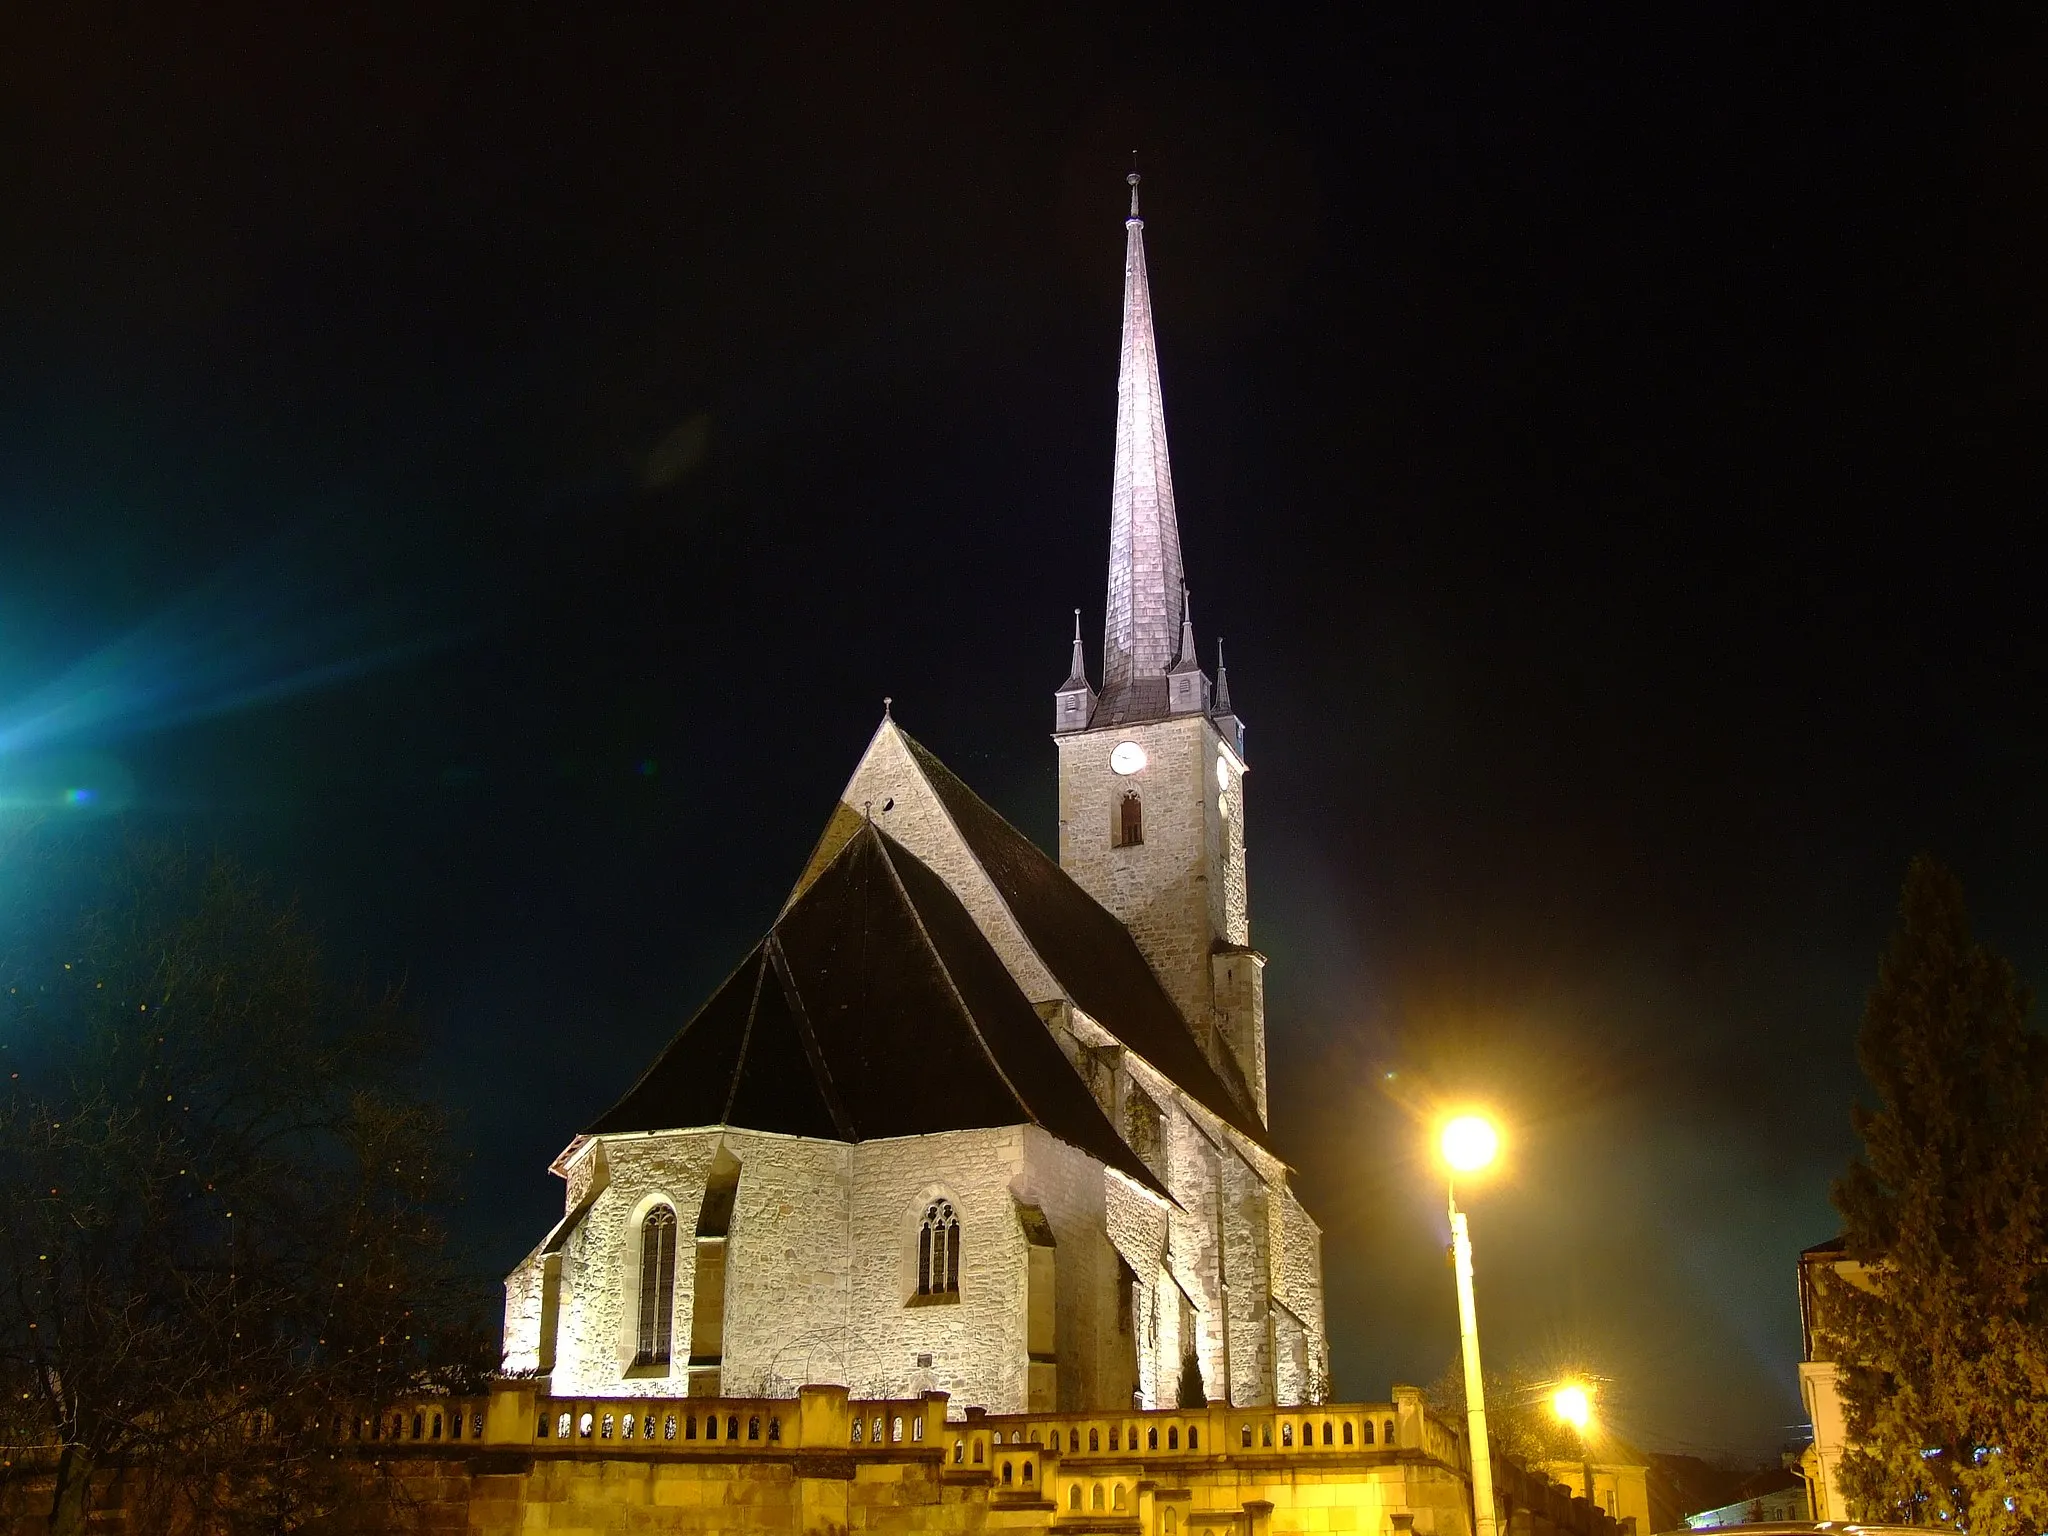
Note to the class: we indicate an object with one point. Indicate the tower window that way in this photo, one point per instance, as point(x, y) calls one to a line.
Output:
point(938, 1251)
point(657, 1285)
point(1129, 830)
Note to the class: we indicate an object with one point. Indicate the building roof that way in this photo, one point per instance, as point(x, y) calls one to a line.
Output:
point(873, 1008)
point(1089, 952)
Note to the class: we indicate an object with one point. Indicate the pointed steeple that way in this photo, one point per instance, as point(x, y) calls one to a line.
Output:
point(1077, 674)
point(1142, 632)
point(1184, 653)
point(1074, 701)
point(1187, 688)
point(1227, 724)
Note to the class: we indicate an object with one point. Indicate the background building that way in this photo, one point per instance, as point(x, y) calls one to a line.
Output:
point(1819, 1389)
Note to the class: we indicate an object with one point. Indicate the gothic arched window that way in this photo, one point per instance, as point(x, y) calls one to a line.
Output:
point(938, 1251)
point(657, 1284)
point(1130, 820)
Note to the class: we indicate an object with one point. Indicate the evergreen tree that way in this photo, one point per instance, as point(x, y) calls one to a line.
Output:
point(1941, 1335)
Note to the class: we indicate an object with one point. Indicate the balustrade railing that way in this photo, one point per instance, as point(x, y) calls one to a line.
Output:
point(824, 1417)
point(1217, 1430)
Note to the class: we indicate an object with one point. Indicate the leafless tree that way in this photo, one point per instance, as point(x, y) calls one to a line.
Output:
point(218, 1201)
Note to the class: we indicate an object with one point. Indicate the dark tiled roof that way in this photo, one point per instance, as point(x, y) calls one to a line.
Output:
point(1087, 949)
point(873, 1008)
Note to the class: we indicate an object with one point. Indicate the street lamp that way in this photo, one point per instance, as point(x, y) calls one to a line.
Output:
point(1573, 1403)
point(1469, 1143)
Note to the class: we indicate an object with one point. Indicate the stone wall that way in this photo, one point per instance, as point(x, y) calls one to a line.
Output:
point(821, 1268)
point(1176, 891)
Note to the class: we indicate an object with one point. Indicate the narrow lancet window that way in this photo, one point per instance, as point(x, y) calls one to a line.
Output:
point(657, 1284)
point(1130, 820)
point(938, 1251)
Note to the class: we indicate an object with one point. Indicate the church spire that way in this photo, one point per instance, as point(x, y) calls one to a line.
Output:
point(1187, 688)
point(1146, 601)
point(1077, 674)
point(1074, 700)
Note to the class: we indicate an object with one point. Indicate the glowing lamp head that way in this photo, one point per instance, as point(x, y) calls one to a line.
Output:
point(1573, 1404)
point(1470, 1142)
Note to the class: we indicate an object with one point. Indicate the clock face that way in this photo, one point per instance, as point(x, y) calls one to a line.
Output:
point(1128, 757)
point(1222, 771)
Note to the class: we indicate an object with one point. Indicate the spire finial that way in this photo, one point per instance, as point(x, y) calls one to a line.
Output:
point(1077, 670)
point(1133, 180)
point(1222, 681)
point(886, 703)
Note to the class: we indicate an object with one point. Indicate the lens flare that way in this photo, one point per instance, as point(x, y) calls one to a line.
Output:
point(287, 620)
point(76, 784)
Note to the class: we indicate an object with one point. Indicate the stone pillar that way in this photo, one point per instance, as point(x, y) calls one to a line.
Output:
point(1258, 1517)
point(822, 1421)
point(935, 1417)
point(510, 1418)
point(823, 1463)
point(1408, 1416)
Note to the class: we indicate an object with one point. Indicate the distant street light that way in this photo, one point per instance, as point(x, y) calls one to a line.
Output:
point(1469, 1143)
point(1573, 1403)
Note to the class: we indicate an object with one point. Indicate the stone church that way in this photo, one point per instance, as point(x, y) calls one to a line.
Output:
point(968, 1119)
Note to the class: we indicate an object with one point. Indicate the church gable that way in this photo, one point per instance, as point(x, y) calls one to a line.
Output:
point(1091, 954)
point(891, 787)
point(1057, 941)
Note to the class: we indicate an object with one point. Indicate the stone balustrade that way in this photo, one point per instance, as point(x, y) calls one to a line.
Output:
point(816, 1418)
point(521, 1460)
point(820, 1418)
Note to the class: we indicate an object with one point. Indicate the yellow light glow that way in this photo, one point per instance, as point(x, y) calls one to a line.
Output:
point(1470, 1142)
point(1573, 1404)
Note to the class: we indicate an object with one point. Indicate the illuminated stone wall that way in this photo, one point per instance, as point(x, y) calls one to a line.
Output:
point(1174, 891)
point(821, 1268)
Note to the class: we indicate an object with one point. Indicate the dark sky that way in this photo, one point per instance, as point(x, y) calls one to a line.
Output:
point(487, 466)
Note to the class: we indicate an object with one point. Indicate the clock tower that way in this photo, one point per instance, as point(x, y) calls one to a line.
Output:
point(1152, 769)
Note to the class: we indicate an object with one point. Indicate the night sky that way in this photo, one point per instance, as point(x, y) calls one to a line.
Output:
point(486, 469)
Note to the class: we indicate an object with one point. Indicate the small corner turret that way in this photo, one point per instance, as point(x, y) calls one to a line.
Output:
point(1074, 702)
point(1228, 726)
point(1187, 685)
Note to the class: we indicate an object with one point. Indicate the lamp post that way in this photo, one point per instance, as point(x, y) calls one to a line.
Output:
point(1573, 1403)
point(1470, 1143)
